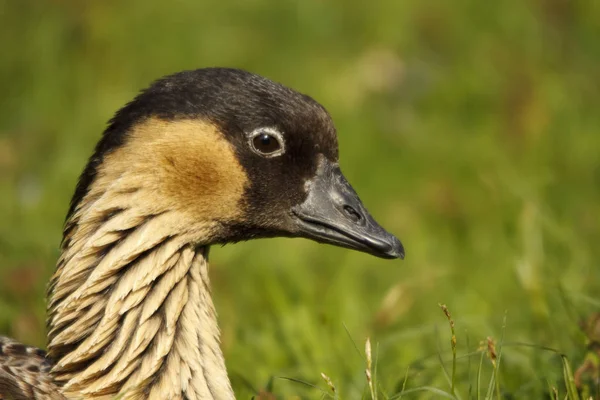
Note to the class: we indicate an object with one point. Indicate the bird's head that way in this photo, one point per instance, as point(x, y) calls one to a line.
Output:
point(234, 152)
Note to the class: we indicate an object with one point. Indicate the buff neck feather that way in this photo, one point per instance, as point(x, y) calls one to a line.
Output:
point(130, 311)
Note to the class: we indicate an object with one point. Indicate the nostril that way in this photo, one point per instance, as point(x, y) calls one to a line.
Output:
point(352, 214)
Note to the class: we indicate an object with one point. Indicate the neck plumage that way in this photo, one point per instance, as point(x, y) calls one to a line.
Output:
point(130, 310)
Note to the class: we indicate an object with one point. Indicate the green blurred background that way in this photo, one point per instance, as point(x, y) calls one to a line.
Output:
point(470, 128)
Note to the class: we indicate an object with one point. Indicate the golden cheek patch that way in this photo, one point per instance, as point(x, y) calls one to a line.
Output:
point(184, 165)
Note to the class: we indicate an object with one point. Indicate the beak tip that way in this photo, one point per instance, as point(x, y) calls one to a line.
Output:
point(391, 248)
point(397, 250)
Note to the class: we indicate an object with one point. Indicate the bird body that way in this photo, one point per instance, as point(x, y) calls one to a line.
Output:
point(201, 157)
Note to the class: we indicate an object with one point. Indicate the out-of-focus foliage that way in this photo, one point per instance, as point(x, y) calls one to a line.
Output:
point(470, 128)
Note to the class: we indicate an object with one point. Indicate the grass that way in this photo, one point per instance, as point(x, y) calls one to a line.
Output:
point(488, 350)
point(469, 128)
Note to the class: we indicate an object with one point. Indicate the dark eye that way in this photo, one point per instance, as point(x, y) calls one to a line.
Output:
point(267, 144)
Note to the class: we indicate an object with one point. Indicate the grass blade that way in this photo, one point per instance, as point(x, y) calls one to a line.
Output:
point(430, 389)
point(572, 393)
point(479, 375)
point(305, 384)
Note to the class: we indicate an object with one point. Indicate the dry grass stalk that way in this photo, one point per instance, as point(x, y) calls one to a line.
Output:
point(369, 370)
point(453, 344)
point(329, 382)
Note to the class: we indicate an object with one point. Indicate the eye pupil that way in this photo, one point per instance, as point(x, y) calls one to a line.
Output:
point(265, 140)
point(266, 143)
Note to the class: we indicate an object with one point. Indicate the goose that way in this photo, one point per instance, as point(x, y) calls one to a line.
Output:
point(201, 157)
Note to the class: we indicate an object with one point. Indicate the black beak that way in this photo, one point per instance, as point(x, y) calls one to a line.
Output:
point(332, 213)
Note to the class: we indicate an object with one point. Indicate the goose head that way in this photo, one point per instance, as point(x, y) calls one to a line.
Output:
point(203, 157)
point(238, 157)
